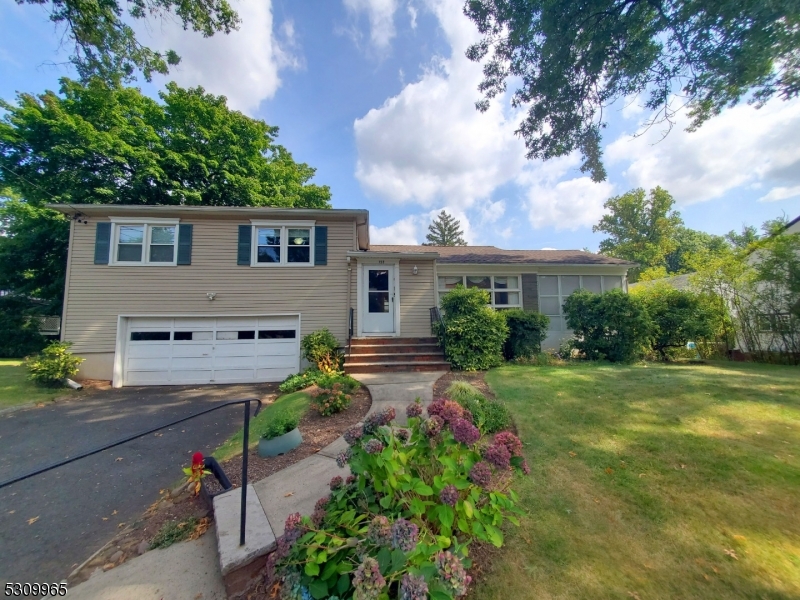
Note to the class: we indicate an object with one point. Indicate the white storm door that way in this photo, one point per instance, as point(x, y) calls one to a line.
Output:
point(379, 303)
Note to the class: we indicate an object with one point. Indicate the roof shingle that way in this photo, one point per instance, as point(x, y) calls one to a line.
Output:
point(494, 255)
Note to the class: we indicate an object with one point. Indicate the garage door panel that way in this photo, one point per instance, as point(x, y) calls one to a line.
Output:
point(190, 350)
point(274, 374)
point(188, 362)
point(277, 349)
point(263, 362)
point(145, 350)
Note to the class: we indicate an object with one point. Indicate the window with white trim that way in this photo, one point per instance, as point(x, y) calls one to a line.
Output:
point(145, 244)
point(283, 245)
point(554, 290)
point(504, 290)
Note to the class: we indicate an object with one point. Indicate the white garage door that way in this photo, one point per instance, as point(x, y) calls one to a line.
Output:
point(185, 350)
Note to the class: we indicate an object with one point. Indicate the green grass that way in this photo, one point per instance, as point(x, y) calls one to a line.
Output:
point(296, 402)
point(653, 481)
point(15, 388)
point(173, 532)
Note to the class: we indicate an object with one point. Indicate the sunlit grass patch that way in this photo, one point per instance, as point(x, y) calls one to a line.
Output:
point(656, 481)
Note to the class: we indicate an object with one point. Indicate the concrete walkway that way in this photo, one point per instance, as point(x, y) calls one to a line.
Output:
point(182, 570)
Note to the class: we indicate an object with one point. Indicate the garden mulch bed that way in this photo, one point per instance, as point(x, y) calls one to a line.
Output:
point(318, 432)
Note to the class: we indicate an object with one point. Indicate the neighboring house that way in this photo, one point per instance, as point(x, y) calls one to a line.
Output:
point(189, 295)
point(679, 282)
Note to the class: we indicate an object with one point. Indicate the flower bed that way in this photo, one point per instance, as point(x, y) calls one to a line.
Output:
point(401, 525)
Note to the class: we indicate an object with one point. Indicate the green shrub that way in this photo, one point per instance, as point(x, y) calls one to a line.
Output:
point(612, 326)
point(174, 531)
point(53, 365)
point(280, 424)
point(678, 317)
point(419, 496)
point(329, 401)
point(542, 359)
point(19, 335)
point(321, 348)
point(474, 333)
point(496, 417)
point(526, 332)
point(327, 381)
point(300, 381)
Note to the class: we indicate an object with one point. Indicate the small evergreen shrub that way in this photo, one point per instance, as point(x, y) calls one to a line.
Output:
point(280, 424)
point(526, 332)
point(613, 326)
point(474, 333)
point(321, 348)
point(327, 381)
point(53, 365)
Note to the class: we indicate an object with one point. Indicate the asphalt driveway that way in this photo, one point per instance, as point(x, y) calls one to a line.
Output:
point(79, 507)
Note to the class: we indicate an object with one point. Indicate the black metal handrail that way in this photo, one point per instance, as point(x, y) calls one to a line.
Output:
point(351, 320)
point(245, 444)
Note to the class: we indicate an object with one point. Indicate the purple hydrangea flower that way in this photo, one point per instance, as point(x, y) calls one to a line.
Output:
point(368, 580)
point(414, 409)
point(468, 416)
point(353, 434)
point(351, 479)
point(380, 531)
point(413, 587)
point(465, 432)
point(343, 458)
point(435, 407)
point(481, 474)
point(376, 420)
point(452, 573)
point(322, 502)
point(449, 495)
point(373, 446)
point(433, 426)
point(336, 483)
point(451, 411)
point(318, 516)
point(293, 528)
point(404, 535)
point(498, 455)
point(512, 443)
point(402, 435)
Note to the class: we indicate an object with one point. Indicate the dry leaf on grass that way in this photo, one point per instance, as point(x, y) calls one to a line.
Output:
point(573, 454)
point(732, 554)
point(609, 470)
point(200, 528)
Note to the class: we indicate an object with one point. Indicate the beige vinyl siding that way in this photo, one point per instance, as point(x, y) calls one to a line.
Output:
point(416, 298)
point(97, 294)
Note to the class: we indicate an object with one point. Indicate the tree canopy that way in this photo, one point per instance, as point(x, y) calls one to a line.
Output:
point(574, 59)
point(99, 143)
point(445, 230)
point(105, 44)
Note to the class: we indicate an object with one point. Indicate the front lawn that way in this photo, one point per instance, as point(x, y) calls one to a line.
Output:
point(656, 481)
point(16, 389)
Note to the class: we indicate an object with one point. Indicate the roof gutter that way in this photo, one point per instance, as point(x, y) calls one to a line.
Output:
point(102, 210)
point(409, 255)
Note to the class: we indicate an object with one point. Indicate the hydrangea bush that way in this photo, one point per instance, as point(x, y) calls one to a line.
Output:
point(400, 526)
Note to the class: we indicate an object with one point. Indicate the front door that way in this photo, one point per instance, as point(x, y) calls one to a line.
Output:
point(379, 304)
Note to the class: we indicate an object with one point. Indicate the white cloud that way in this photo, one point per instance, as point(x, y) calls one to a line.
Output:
point(741, 146)
point(428, 145)
point(380, 14)
point(633, 107)
point(567, 204)
point(412, 16)
point(243, 65)
point(404, 231)
point(492, 211)
point(780, 193)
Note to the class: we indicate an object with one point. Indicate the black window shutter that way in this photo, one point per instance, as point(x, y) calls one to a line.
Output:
point(245, 238)
point(184, 244)
point(321, 245)
point(102, 243)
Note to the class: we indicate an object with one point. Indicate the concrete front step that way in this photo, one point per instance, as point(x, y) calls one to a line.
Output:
point(360, 359)
point(380, 367)
point(374, 341)
point(393, 348)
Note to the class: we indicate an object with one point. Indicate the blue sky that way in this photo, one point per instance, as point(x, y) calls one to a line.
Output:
point(378, 96)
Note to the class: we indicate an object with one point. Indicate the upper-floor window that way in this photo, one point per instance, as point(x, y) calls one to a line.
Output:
point(504, 291)
point(145, 243)
point(283, 245)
